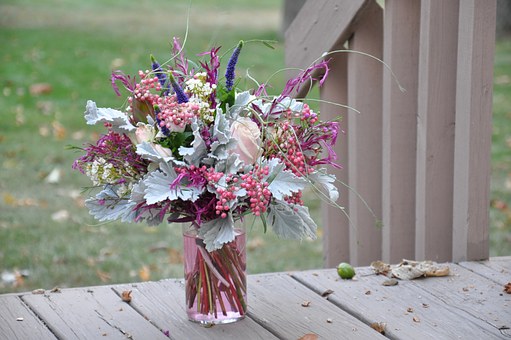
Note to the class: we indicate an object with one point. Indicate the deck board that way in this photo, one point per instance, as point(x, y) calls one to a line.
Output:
point(468, 303)
point(407, 308)
point(163, 303)
point(90, 313)
point(17, 321)
point(290, 320)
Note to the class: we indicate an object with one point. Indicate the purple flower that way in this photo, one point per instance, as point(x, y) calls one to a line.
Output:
point(162, 77)
point(180, 94)
point(229, 73)
point(127, 81)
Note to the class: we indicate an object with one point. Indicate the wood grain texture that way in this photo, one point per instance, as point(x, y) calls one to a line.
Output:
point(496, 271)
point(318, 27)
point(435, 129)
point(90, 313)
point(401, 53)
point(481, 299)
point(163, 303)
point(277, 301)
point(474, 95)
point(408, 309)
point(336, 225)
point(17, 321)
point(365, 137)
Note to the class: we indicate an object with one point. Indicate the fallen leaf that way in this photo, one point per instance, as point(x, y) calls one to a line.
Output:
point(55, 290)
point(425, 305)
point(306, 304)
point(380, 267)
point(44, 130)
point(60, 216)
point(59, 131)
point(103, 276)
point(54, 176)
point(327, 292)
point(46, 107)
point(126, 296)
point(175, 256)
point(329, 320)
point(416, 319)
point(254, 243)
point(379, 327)
point(40, 88)
point(390, 282)
point(144, 273)
point(410, 310)
point(309, 336)
point(507, 288)
point(38, 291)
point(368, 292)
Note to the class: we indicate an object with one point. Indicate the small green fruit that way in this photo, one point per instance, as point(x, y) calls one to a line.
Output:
point(345, 271)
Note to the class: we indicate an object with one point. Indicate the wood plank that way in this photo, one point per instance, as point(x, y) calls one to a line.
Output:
point(17, 321)
point(365, 136)
point(397, 306)
point(318, 28)
point(336, 245)
point(401, 53)
point(163, 303)
point(496, 269)
point(276, 301)
point(435, 129)
point(473, 134)
point(90, 313)
point(476, 296)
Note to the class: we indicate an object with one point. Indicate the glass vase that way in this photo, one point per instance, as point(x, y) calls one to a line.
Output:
point(215, 282)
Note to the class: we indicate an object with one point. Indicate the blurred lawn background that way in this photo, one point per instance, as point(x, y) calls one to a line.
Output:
point(56, 54)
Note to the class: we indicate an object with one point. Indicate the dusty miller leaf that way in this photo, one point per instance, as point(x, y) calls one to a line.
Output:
point(217, 232)
point(325, 183)
point(108, 206)
point(291, 221)
point(118, 119)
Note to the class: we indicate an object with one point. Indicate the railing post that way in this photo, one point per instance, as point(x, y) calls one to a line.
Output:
point(336, 245)
point(476, 47)
point(435, 129)
point(365, 136)
point(401, 53)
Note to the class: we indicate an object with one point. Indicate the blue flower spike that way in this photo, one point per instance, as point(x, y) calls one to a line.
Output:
point(231, 66)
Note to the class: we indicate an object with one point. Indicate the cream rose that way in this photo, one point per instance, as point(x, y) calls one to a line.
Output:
point(248, 137)
point(144, 133)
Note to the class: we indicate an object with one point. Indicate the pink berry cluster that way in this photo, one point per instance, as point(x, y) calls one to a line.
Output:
point(305, 115)
point(173, 114)
point(287, 148)
point(257, 189)
point(227, 194)
point(144, 90)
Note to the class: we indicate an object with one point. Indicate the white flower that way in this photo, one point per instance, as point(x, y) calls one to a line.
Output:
point(248, 137)
point(144, 133)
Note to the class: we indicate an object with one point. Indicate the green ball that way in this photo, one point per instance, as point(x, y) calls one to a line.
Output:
point(345, 271)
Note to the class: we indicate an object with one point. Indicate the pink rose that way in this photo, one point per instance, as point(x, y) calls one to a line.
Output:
point(248, 137)
point(144, 133)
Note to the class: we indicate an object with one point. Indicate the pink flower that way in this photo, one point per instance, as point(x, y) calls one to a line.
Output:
point(144, 133)
point(248, 136)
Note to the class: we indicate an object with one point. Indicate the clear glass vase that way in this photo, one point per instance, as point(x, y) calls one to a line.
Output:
point(215, 282)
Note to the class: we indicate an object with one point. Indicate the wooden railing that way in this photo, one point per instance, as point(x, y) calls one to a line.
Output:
point(419, 158)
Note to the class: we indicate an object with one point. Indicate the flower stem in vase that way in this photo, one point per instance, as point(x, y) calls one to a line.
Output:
point(215, 281)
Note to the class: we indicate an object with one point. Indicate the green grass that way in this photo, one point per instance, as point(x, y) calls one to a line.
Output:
point(44, 227)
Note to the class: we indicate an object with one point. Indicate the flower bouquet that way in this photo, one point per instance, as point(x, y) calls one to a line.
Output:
point(189, 147)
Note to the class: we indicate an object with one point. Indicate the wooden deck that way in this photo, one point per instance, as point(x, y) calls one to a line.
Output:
point(468, 304)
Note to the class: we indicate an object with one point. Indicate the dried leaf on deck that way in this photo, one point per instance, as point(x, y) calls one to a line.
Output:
point(103, 276)
point(126, 296)
point(309, 336)
point(409, 270)
point(327, 292)
point(379, 327)
point(306, 304)
point(380, 267)
point(390, 282)
point(507, 288)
